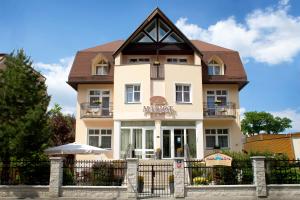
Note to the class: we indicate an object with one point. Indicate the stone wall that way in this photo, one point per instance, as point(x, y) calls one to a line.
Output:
point(97, 192)
point(242, 192)
point(23, 191)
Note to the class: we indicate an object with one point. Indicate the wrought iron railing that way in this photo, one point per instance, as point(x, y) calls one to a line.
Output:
point(219, 109)
point(24, 172)
point(155, 180)
point(94, 173)
point(91, 110)
point(239, 173)
point(283, 171)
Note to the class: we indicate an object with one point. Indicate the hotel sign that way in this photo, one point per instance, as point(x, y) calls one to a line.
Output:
point(158, 107)
point(218, 159)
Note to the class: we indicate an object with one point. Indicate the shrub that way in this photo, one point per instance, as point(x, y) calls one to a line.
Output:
point(68, 177)
point(102, 174)
point(200, 180)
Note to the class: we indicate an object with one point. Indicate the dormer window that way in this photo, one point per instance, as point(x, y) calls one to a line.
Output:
point(215, 67)
point(102, 68)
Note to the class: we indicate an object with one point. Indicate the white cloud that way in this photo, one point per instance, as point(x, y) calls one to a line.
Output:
point(268, 35)
point(56, 76)
point(292, 114)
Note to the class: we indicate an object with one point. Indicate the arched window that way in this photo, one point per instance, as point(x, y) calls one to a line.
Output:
point(101, 68)
point(215, 67)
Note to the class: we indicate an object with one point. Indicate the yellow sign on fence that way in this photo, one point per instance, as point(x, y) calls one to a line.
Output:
point(218, 159)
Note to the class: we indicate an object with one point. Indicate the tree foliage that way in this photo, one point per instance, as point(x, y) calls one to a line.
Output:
point(62, 127)
point(258, 122)
point(24, 131)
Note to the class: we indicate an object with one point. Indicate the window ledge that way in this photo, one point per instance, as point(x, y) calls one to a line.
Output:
point(132, 103)
point(184, 103)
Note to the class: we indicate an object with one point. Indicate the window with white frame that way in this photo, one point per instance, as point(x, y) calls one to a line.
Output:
point(102, 68)
point(138, 60)
point(133, 93)
point(214, 68)
point(183, 93)
point(216, 97)
point(100, 138)
point(217, 137)
point(97, 97)
point(177, 60)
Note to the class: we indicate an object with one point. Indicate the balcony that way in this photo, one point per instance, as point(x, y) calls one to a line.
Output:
point(89, 110)
point(212, 110)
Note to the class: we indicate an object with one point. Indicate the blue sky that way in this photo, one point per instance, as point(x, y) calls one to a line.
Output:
point(265, 32)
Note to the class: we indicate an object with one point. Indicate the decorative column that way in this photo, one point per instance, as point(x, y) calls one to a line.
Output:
point(132, 177)
point(199, 140)
point(117, 130)
point(56, 176)
point(157, 135)
point(258, 164)
point(178, 178)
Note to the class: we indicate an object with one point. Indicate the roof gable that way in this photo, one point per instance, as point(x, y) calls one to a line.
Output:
point(157, 29)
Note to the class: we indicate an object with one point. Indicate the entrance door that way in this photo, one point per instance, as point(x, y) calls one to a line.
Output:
point(105, 106)
point(179, 142)
point(166, 144)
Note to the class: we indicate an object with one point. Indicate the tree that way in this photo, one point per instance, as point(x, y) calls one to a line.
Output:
point(23, 110)
point(23, 103)
point(257, 122)
point(62, 126)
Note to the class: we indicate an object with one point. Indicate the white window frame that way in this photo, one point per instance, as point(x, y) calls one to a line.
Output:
point(143, 150)
point(100, 95)
point(176, 60)
point(213, 66)
point(133, 93)
point(182, 95)
point(100, 135)
point(102, 66)
point(215, 94)
point(216, 137)
point(139, 60)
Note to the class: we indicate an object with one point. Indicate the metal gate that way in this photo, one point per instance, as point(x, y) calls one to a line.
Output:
point(155, 180)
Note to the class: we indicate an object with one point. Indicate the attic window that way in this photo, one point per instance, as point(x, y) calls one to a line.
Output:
point(102, 68)
point(157, 31)
point(173, 38)
point(214, 68)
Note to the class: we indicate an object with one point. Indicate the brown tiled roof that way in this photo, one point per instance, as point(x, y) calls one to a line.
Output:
point(234, 70)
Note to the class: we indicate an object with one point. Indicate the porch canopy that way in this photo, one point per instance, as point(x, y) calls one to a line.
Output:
point(74, 148)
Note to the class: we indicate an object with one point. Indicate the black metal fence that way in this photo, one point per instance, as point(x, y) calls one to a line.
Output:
point(94, 173)
point(155, 180)
point(24, 172)
point(239, 173)
point(283, 171)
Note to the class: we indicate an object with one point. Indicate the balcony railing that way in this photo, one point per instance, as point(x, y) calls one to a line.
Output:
point(89, 110)
point(215, 110)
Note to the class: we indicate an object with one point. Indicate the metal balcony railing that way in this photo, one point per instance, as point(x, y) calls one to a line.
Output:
point(91, 110)
point(219, 110)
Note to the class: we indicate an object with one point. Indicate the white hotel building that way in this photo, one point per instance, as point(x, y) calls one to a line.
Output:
point(158, 90)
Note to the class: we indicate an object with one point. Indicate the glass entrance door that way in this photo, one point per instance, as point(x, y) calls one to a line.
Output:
point(179, 142)
point(166, 144)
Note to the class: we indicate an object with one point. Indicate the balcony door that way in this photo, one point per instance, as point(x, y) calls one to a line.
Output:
point(100, 99)
point(216, 99)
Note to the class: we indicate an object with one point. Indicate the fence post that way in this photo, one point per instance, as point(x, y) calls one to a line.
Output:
point(132, 177)
point(179, 178)
point(56, 176)
point(259, 173)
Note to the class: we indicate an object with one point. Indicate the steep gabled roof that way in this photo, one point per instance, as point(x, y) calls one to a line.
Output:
point(234, 70)
point(156, 13)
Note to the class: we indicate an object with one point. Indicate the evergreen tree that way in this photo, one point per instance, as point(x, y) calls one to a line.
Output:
point(24, 132)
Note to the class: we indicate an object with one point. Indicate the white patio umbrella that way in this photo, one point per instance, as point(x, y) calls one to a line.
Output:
point(74, 148)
